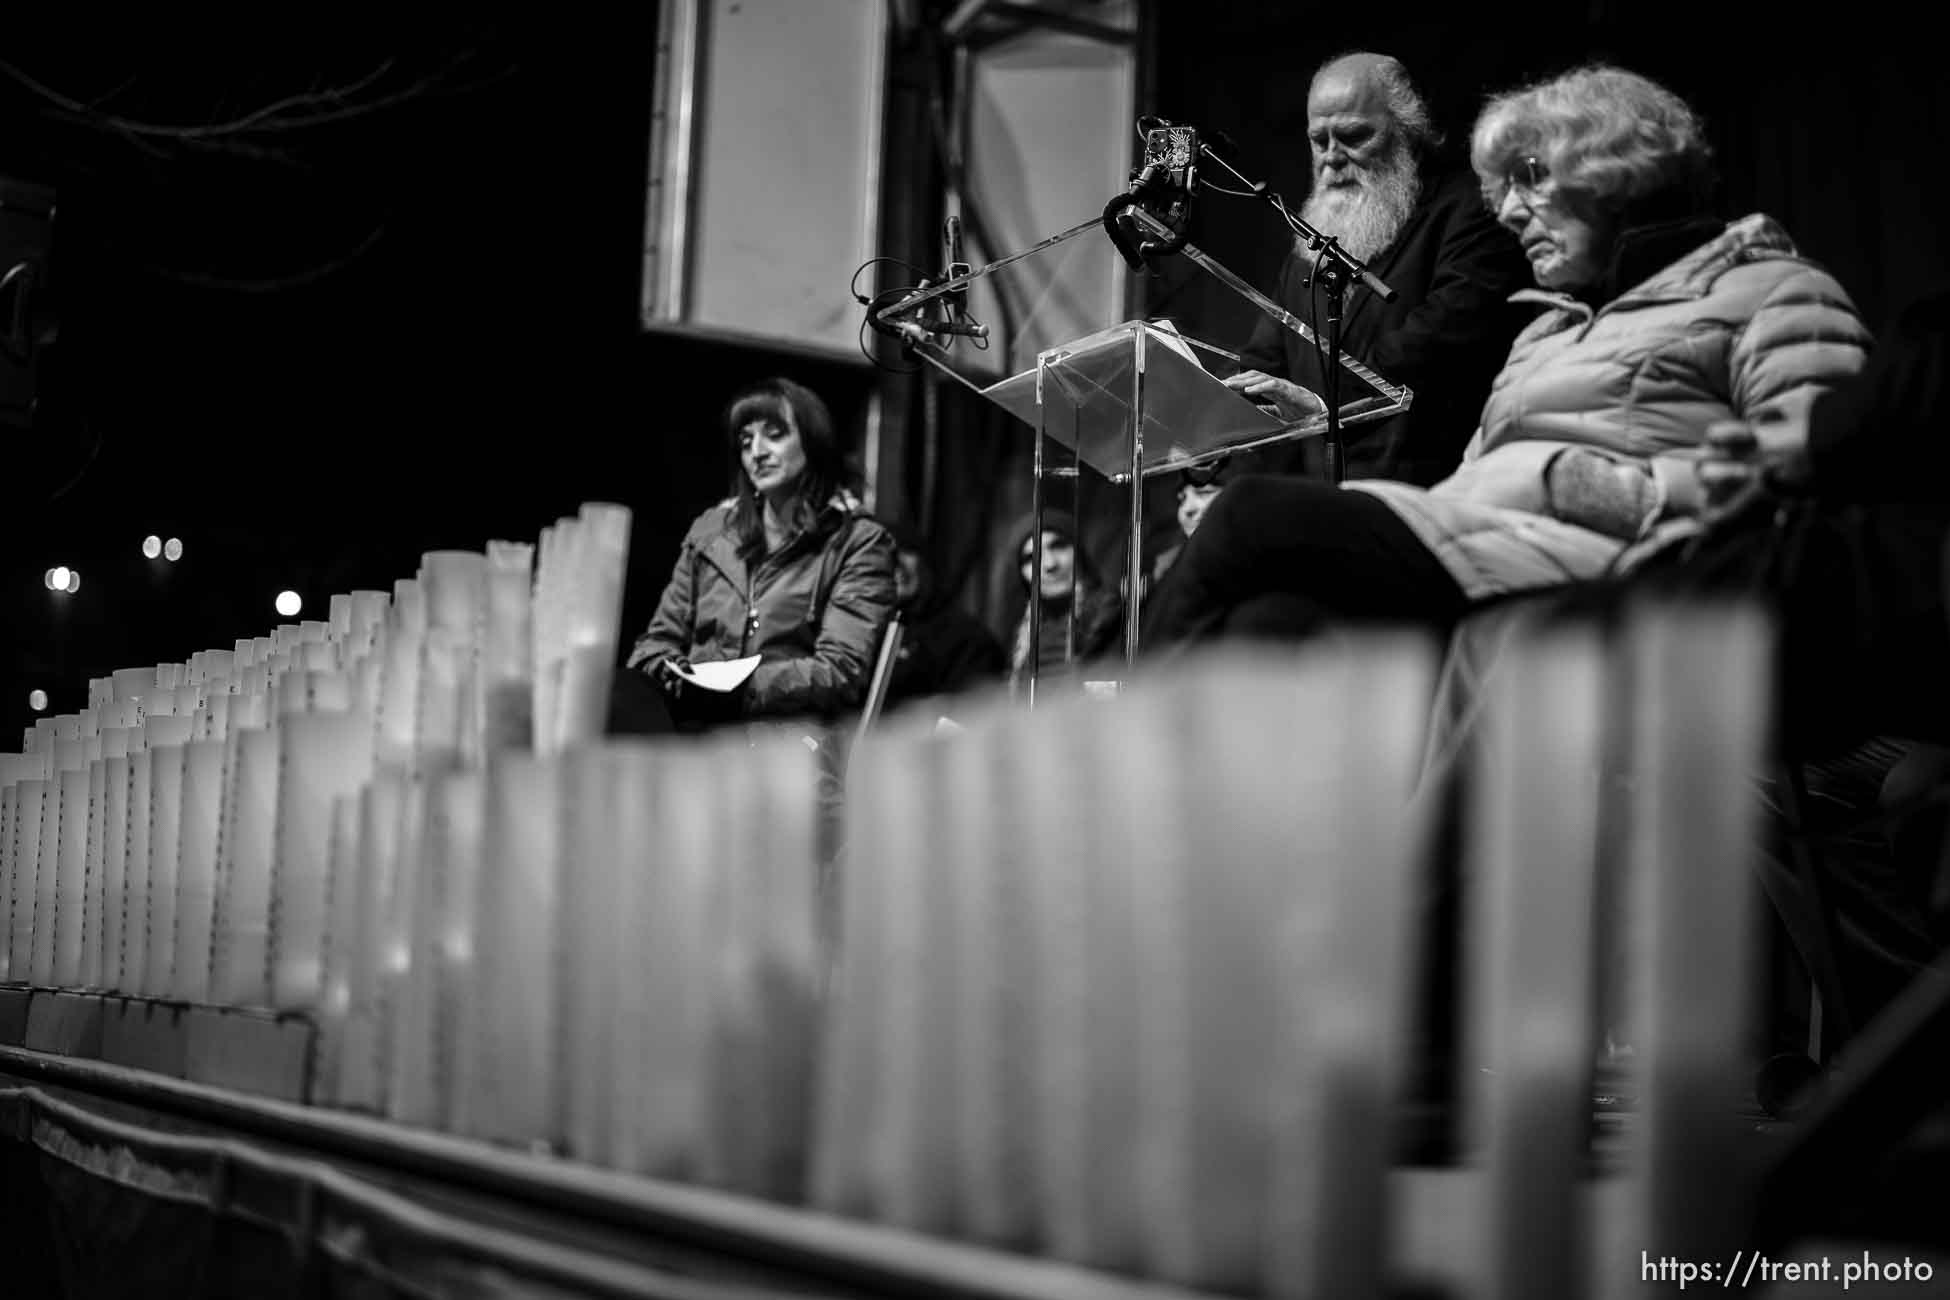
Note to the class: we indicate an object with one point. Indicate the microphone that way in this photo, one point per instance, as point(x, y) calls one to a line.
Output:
point(966, 328)
point(914, 333)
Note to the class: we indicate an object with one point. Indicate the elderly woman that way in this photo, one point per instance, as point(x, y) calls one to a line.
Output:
point(787, 569)
point(1659, 321)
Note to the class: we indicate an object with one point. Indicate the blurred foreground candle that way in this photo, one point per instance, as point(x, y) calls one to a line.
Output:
point(324, 756)
point(765, 988)
point(989, 859)
point(133, 954)
point(133, 683)
point(241, 904)
point(1529, 929)
point(338, 618)
point(610, 1115)
point(368, 615)
point(166, 738)
point(1346, 942)
point(456, 590)
point(594, 942)
point(889, 1052)
point(1697, 739)
point(509, 1068)
point(102, 954)
point(71, 866)
point(88, 972)
point(47, 873)
point(30, 807)
point(196, 869)
point(29, 798)
point(392, 940)
point(425, 1028)
point(1082, 999)
point(507, 678)
point(396, 743)
point(579, 622)
point(664, 1038)
point(10, 775)
point(337, 947)
point(381, 805)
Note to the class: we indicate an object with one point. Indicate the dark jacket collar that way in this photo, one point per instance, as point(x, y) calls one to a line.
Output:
point(1642, 250)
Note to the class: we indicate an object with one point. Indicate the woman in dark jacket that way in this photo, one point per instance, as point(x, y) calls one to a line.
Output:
point(787, 569)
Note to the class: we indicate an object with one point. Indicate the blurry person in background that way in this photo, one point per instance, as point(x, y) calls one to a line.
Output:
point(1198, 488)
point(944, 649)
point(1380, 189)
point(1068, 580)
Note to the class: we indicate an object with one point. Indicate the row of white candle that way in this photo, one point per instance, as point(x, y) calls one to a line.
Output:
point(154, 842)
point(1122, 982)
point(612, 952)
point(1128, 983)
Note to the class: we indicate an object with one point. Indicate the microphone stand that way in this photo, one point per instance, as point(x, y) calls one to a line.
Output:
point(1334, 267)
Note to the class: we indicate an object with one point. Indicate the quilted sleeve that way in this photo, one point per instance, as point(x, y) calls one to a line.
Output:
point(1803, 340)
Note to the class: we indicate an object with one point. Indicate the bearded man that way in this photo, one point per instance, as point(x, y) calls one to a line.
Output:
point(1425, 230)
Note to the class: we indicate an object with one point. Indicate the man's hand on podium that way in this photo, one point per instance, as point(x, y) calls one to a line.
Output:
point(1287, 399)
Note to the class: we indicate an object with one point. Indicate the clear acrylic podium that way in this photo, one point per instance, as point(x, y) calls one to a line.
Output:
point(1130, 399)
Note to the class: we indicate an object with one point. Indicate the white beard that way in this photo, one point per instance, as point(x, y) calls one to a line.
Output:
point(1367, 218)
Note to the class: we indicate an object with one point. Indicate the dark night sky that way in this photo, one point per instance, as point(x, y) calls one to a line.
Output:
point(314, 352)
point(317, 351)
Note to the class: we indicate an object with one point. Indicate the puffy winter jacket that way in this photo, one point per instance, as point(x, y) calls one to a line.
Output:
point(1742, 327)
point(814, 610)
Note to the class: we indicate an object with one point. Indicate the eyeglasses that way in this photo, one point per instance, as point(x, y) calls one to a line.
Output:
point(1527, 176)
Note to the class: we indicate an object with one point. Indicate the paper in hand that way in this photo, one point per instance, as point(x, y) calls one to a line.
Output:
point(723, 675)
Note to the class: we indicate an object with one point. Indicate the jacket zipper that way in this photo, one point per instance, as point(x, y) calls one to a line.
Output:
point(751, 596)
point(751, 592)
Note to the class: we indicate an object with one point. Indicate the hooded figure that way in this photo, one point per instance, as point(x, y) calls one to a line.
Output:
point(1068, 580)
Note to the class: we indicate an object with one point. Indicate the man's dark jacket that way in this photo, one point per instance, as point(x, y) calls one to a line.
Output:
point(1445, 336)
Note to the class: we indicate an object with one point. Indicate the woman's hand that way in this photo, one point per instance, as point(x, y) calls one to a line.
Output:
point(664, 673)
point(1615, 497)
point(1289, 399)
